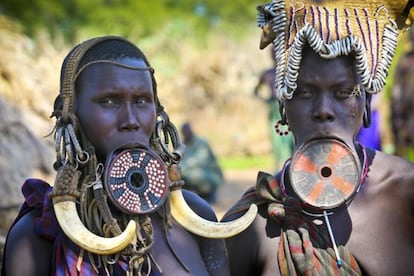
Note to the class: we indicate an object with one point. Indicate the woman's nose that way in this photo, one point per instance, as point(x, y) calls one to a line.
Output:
point(323, 109)
point(128, 118)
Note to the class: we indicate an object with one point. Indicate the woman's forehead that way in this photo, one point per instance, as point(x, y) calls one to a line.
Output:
point(313, 65)
point(127, 62)
point(128, 71)
point(310, 56)
point(95, 68)
point(139, 63)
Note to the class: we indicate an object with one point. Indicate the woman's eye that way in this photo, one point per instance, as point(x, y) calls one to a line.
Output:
point(303, 93)
point(344, 93)
point(108, 102)
point(141, 101)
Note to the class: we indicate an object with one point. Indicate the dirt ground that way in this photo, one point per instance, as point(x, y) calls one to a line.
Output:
point(236, 183)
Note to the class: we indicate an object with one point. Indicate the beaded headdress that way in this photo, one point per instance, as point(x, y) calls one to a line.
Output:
point(368, 29)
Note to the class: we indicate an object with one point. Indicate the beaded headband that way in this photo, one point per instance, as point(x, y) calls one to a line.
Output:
point(369, 29)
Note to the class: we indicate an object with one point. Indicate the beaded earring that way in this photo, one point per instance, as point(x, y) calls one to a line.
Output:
point(282, 122)
point(278, 129)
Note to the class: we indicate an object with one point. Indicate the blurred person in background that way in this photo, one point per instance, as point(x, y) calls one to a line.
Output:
point(402, 103)
point(281, 140)
point(200, 169)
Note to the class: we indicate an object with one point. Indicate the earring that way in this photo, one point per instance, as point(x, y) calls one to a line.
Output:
point(282, 113)
point(278, 130)
point(366, 119)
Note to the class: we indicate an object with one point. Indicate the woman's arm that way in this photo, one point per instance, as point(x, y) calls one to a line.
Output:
point(26, 253)
point(213, 251)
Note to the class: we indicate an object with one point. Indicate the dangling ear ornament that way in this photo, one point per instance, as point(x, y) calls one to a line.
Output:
point(357, 90)
point(278, 129)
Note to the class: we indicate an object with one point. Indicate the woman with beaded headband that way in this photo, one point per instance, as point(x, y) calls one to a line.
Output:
point(116, 207)
point(336, 207)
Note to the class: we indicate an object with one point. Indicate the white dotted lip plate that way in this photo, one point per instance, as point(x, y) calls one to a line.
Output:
point(136, 181)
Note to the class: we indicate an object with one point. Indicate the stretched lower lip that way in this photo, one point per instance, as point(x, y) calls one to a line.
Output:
point(132, 146)
point(319, 136)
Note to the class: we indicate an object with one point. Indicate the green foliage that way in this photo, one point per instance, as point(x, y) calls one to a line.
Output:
point(262, 162)
point(184, 18)
point(35, 15)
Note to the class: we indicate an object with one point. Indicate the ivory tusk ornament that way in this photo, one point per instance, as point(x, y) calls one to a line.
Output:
point(192, 222)
point(73, 227)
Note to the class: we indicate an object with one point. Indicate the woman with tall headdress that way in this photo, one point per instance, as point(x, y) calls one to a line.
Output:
point(336, 207)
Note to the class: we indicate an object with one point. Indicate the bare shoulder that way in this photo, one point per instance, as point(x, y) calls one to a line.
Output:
point(213, 251)
point(392, 174)
point(382, 217)
point(199, 205)
point(391, 162)
point(24, 244)
point(254, 251)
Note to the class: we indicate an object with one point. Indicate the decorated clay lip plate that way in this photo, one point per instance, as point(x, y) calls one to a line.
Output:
point(136, 181)
point(325, 173)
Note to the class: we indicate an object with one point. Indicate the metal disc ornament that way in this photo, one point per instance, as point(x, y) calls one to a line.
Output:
point(136, 181)
point(325, 173)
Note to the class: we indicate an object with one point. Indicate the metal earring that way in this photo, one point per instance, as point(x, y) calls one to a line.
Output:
point(282, 113)
point(366, 119)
